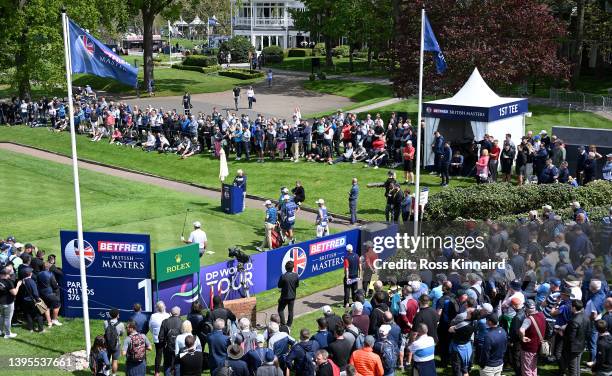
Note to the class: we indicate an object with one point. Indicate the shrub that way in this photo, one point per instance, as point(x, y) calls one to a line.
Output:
point(241, 74)
point(238, 47)
point(273, 54)
point(205, 70)
point(360, 54)
point(312, 77)
point(502, 199)
point(322, 76)
point(298, 52)
point(201, 61)
point(319, 49)
point(341, 51)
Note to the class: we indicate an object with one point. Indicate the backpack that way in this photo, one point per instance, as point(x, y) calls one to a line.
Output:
point(335, 368)
point(481, 298)
point(388, 353)
point(306, 363)
point(171, 338)
point(226, 370)
point(249, 341)
point(137, 348)
point(396, 300)
point(111, 338)
point(359, 339)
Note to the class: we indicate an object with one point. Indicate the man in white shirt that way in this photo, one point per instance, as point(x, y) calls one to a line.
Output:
point(197, 236)
point(422, 351)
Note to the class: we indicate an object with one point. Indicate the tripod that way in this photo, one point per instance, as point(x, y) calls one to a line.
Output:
point(244, 288)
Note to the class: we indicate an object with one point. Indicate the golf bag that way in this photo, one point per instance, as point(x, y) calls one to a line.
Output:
point(278, 239)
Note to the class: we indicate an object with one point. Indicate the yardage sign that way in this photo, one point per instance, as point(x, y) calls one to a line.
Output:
point(118, 268)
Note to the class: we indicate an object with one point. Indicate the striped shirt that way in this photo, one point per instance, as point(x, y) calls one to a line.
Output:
point(551, 301)
point(423, 349)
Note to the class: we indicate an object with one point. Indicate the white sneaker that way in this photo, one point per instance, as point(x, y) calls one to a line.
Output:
point(57, 323)
point(12, 335)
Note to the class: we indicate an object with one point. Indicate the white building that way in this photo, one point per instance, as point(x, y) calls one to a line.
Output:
point(267, 23)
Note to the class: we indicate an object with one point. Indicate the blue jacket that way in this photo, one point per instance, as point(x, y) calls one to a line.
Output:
point(438, 145)
point(447, 155)
point(493, 348)
point(217, 347)
point(323, 338)
point(142, 322)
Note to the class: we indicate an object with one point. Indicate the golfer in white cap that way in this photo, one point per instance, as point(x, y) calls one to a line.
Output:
point(322, 219)
point(197, 236)
point(269, 223)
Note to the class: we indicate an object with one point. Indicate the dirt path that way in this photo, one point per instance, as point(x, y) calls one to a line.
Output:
point(252, 202)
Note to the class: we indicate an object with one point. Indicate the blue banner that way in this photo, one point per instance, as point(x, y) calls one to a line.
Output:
point(431, 45)
point(89, 55)
point(118, 268)
point(485, 114)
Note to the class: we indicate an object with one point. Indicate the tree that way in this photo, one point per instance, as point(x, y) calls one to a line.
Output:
point(32, 39)
point(479, 34)
point(148, 10)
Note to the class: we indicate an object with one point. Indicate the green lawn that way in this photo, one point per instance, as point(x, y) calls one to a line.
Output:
point(341, 66)
point(320, 181)
point(361, 93)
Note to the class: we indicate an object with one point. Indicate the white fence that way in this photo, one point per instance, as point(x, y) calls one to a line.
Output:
point(580, 101)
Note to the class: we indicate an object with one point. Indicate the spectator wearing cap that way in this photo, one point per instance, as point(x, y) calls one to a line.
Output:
point(234, 361)
point(288, 284)
point(256, 356)
point(269, 367)
point(531, 332)
point(197, 236)
point(481, 328)
point(575, 337)
point(383, 347)
point(603, 361)
point(514, 291)
point(593, 309)
point(395, 333)
point(352, 272)
point(491, 357)
point(322, 220)
point(514, 339)
point(269, 224)
point(366, 361)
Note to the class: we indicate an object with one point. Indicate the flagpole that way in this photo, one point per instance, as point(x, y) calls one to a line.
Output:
point(77, 192)
point(169, 44)
point(417, 186)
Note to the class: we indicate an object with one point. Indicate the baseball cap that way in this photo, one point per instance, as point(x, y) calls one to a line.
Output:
point(268, 202)
point(487, 307)
point(10, 238)
point(543, 131)
point(286, 198)
point(326, 309)
point(260, 338)
point(29, 245)
point(555, 281)
point(349, 247)
point(197, 224)
point(320, 201)
point(18, 245)
point(384, 329)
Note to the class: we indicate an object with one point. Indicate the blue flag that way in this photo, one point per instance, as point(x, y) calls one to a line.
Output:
point(89, 55)
point(431, 44)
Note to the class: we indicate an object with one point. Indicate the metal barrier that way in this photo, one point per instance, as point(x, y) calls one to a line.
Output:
point(580, 101)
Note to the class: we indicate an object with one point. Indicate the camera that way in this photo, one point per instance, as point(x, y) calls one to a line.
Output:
point(238, 254)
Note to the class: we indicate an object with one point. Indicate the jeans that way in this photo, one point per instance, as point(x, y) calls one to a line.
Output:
point(159, 352)
point(444, 167)
point(571, 363)
point(250, 102)
point(493, 169)
point(246, 148)
point(236, 102)
point(32, 314)
point(282, 303)
point(592, 344)
point(6, 315)
point(239, 149)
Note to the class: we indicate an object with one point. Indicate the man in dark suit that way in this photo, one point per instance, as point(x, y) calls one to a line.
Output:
point(574, 339)
point(288, 283)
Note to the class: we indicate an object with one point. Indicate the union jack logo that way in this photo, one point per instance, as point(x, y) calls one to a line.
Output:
point(88, 44)
point(299, 258)
point(73, 253)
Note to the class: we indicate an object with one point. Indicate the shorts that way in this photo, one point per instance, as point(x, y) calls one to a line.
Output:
point(408, 165)
point(521, 170)
point(114, 355)
point(404, 340)
point(287, 225)
point(52, 301)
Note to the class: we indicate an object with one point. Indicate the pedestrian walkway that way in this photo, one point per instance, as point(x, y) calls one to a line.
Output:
point(347, 77)
point(307, 304)
point(374, 106)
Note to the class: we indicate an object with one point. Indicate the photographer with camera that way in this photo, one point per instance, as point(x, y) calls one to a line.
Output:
point(288, 284)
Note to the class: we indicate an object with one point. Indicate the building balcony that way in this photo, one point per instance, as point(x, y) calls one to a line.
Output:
point(263, 22)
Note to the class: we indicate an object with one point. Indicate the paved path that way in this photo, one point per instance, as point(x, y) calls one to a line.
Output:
point(376, 105)
point(252, 202)
point(347, 77)
point(308, 304)
point(280, 100)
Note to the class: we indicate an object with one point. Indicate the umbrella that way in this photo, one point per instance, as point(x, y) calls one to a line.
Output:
point(223, 169)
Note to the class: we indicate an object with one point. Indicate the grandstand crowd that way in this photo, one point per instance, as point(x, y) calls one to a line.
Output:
point(337, 138)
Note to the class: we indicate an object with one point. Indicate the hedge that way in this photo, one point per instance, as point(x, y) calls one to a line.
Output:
point(273, 54)
point(201, 61)
point(595, 214)
point(299, 52)
point(503, 199)
point(319, 49)
point(242, 74)
point(341, 51)
point(205, 70)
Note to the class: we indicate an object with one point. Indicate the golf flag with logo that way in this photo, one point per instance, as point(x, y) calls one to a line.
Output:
point(431, 45)
point(89, 55)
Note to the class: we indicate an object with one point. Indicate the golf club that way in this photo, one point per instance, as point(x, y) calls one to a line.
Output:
point(184, 223)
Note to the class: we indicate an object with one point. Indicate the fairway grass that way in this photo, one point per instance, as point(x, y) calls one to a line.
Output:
point(331, 183)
